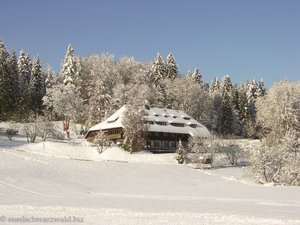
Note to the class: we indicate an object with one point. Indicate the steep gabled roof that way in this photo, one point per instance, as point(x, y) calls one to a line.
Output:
point(114, 121)
point(160, 120)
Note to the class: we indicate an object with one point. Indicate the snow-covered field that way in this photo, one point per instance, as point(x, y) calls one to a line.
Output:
point(70, 180)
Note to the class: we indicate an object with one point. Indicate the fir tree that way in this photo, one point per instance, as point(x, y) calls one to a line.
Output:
point(243, 112)
point(4, 81)
point(24, 67)
point(197, 77)
point(180, 153)
point(215, 85)
point(261, 90)
point(48, 75)
point(37, 86)
point(252, 95)
point(171, 67)
point(226, 85)
point(14, 81)
point(226, 118)
point(158, 69)
point(69, 69)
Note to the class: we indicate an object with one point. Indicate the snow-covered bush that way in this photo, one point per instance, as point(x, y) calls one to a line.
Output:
point(38, 126)
point(100, 141)
point(233, 152)
point(275, 162)
point(31, 130)
point(11, 130)
point(268, 161)
point(47, 129)
point(202, 151)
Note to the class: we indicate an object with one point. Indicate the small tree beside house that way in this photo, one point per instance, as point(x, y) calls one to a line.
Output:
point(100, 141)
point(181, 153)
point(135, 128)
point(66, 102)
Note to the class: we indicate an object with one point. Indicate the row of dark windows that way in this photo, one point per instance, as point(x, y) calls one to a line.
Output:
point(173, 124)
point(166, 116)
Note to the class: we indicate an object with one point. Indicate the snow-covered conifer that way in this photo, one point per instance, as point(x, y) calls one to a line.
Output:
point(197, 77)
point(226, 85)
point(24, 67)
point(261, 90)
point(158, 69)
point(69, 69)
point(49, 77)
point(171, 67)
point(226, 116)
point(14, 88)
point(37, 86)
point(180, 153)
point(4, 81)
point(215, 85)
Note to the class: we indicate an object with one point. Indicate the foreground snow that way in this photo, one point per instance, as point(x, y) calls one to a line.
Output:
point(60, 180)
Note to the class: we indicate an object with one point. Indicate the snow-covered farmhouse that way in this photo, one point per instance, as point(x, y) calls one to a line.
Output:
point(165, 128)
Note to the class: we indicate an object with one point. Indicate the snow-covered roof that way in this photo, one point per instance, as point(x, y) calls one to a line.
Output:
point(114, 121)
point(160, 120)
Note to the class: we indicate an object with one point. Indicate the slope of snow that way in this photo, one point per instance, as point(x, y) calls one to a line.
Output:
point(117, 154)
point(105, 192)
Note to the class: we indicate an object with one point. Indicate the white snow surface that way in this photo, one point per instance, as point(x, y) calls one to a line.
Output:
point(69, 178)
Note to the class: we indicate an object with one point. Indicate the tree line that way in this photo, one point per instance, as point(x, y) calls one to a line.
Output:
point(22, 85)
point(89, 89)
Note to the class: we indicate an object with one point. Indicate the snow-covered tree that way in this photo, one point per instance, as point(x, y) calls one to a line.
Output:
point(226, 116)
point(99, 103)
point(69, 70)
point(9, 80)
point(158, 69)
point(226, 85)
point(171, 67)
point(65, 101)
point(186, 95)
point(25, 68)
point(180, 157)
point(279, 110)
point(135, 128)
point(37, 86)
point(197, 77)
point(14, 81)
point(49, 77)
point(261, 90)
point(276, 160)
point(102, 74)
point(4, 80)
point(215, 85)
